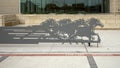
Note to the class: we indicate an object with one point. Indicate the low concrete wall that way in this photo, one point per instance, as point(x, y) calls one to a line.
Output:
point(109, 20)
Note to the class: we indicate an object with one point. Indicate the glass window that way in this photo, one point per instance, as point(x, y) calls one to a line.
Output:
point(23, 6)
point(64, 6)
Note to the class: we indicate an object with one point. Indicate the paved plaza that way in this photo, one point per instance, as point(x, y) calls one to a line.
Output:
point(67, 55)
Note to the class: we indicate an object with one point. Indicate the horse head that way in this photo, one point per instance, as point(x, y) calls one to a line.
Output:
point(93, 22)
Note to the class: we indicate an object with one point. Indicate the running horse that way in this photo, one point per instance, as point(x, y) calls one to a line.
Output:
point(87, 30)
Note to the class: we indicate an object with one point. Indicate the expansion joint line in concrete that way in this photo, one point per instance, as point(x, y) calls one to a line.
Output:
point(90, 59)
point(3, 58)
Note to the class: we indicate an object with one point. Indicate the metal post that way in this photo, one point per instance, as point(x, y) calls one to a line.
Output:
point(41, 5)
point(35, 7)
point(88, 9)
point(64, 4)
point(102, 6)
point(45, 5)
point(31, 6)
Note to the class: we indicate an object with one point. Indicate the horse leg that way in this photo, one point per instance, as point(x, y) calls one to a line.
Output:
point(89, 44)
point(69, 38)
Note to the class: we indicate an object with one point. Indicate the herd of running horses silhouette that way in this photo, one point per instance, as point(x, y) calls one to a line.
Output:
point(51, 30)
point(66, 30)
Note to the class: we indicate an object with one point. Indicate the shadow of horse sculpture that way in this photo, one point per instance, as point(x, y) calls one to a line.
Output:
point(67, 30)
point(87, 29)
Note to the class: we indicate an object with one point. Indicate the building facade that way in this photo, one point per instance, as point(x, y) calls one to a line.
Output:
point(59, 6)
point(33, 12)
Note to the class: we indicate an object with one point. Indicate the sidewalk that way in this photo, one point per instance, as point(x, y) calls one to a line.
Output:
point(110, 45)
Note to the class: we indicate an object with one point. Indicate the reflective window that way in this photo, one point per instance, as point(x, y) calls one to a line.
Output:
point(64, 6)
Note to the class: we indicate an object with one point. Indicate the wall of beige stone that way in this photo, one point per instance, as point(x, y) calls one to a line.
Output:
point(1, 21)
point(109, 20)
point(9, 6)
point(115, 6)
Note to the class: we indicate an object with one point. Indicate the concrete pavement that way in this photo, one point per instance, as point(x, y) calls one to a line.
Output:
point(60, 62)
point(107, 55)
